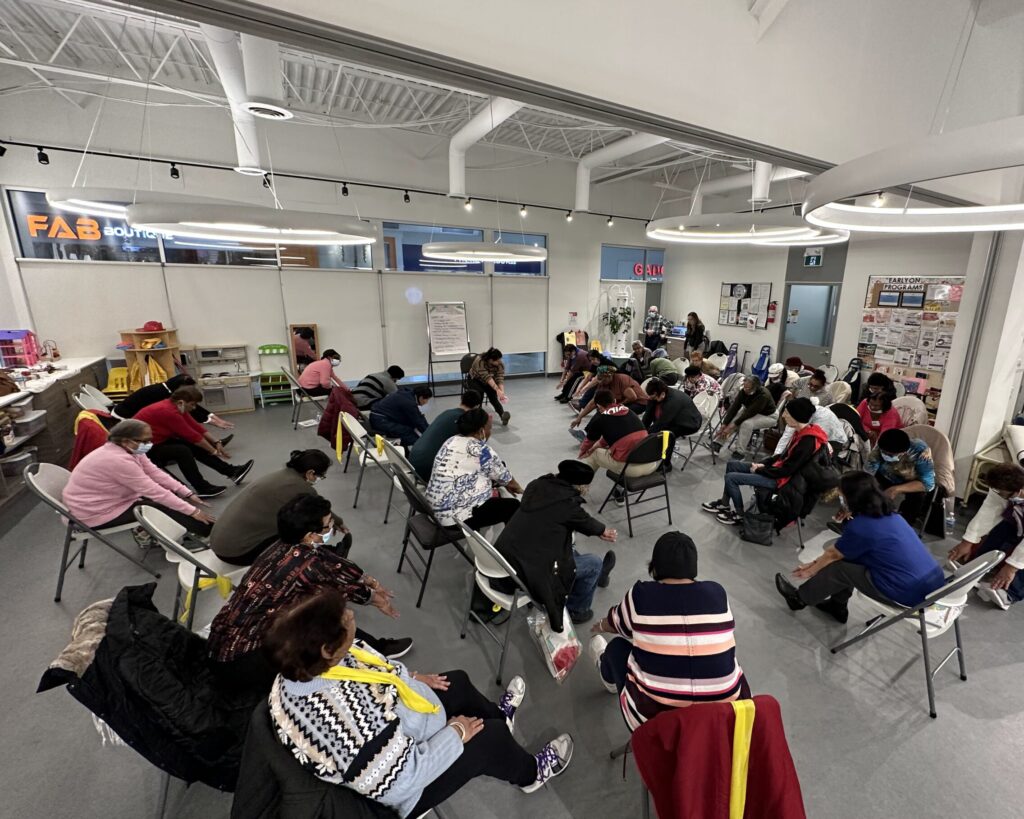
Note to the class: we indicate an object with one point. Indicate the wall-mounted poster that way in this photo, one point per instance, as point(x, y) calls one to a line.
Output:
point(741, 301)
point(907, 328)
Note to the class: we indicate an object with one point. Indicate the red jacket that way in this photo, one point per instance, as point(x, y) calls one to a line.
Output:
point(340, 400)
point(684, 756)
point(168, 423)
point(90, 434)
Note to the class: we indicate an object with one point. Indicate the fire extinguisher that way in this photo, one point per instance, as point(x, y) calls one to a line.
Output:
point(772, 307)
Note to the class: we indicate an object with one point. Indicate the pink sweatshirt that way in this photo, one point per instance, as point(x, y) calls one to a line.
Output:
point(317, 374)
point(110, 479)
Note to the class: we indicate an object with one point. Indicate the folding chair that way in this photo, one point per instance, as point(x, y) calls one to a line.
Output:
point(425, 531)
point(945, 606)
point(652, 449)
point(89, 403)
point(911, 409)
point(365, 446)
point(491, 565)
point(831, 373)
point(196, 570)
point(707, 406)
point(840, 392)
point(98, 394)
point(942, 458)
point(300, 397)
point(396, 460)
point(47, 482)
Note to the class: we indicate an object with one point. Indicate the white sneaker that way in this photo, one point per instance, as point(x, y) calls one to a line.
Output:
point(997, 597)
point(552, 759)
point(512, 699)
point(598, 644)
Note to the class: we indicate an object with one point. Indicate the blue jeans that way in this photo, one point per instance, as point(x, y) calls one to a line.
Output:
point(1003, 538)
point(588, 570)
point(613, 662)
point(389, 429)
point(737, 474)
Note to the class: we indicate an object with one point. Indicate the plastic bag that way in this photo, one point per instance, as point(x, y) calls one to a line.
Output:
point(561, 650)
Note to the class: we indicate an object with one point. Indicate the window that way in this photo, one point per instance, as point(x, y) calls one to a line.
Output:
point(634, 263)
point(403, 246)
point(44, 232)
point(211, 251)
point(521, 268)
point(332, 257)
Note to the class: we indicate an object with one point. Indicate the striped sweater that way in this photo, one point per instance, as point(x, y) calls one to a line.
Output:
point(362, 736)
point(684, 649)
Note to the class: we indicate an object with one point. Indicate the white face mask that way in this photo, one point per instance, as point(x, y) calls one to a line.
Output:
point(143, 447)
point(652, 312)
point(317, 479)
point(335, 362)
point(425, 407)
point(326, 536)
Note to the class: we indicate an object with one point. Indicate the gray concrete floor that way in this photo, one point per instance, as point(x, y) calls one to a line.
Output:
point(857, 723)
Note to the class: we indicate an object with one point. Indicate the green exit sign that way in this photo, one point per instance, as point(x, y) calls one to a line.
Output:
point(813, 256)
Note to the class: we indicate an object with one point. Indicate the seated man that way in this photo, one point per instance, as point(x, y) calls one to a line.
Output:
point(144, 396)
point(697, 360)
point(399, 416)
point(375, 386)
point(583, 394)
point(813, 386)
point(878, 555)
point(624, 390)
point(778, 382)
point(824, 418)
point(611, 435)
point(695, 382)
point(538, 543)
point(638, 365)
point(575, 363)
point(773, 471)
point(318, 378)
point(671, 410)
point(179, 439)
point(797, 369)
point(423, 452)
point(664, 369)
point(752, 409)
point(904, 469)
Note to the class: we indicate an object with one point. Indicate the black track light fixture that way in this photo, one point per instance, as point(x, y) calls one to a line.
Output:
point(266, 180)
point(406, 198)
point(344, 188)
point(175, 173)
point(568, 216)
point(41, 157)
point(523, 211)
point(3, 149)
point(468, 204)
point(610, 222)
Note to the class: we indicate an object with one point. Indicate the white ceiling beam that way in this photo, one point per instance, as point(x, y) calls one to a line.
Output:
point(163, 62)
point(35, 71)
point(96, 24)
point(65, 38)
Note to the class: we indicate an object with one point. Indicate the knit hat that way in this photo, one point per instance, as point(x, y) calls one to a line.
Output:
point(604, 368)
point(674, 557)
point(576, 472)
point(794, 362)
point(800, 410)
point(776, 369)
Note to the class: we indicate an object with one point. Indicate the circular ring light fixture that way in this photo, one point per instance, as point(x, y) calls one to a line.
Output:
point(267, 110)
point(988, 147)
point(249, 224)
point(112, 202)
point(757, 228)
point(249, 170)
point(483, 252)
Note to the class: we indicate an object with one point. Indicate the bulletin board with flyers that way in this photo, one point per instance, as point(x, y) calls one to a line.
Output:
point(906, 330)
point(742, 300)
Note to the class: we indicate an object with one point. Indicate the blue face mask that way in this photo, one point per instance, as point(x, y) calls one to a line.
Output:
point(890, 458)
point(143, 448)
point(326, 536)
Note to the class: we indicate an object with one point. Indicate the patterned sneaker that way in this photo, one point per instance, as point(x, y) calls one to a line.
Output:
point(551, 761)
point(143, 539)
point(714, 507)
point(729, 518)
point(511, 700)
point(997, 597)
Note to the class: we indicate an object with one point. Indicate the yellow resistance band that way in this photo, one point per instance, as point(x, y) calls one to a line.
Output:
point(664, 443)
point(339, 447)
point(742, 732)
point(410, 698)
point(222, 583)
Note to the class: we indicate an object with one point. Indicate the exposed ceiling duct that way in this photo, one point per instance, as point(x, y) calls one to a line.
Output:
point(497, 110)
point(617, 150)
point(227, 60)
point(261, 60)
point(763, 175)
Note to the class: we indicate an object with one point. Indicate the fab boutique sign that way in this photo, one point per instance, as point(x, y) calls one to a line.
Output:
point(44, 232)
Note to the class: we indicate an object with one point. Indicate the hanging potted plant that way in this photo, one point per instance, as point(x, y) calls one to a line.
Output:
point(618, 320)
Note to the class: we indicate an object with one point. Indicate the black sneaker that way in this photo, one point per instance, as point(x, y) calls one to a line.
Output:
point(504, 418)
point(241, 472)
point(715, 507)
point(393, 648)
point(606, 569)
point(226, 439)
point(729, 518)
point(210, 491)
point(578, 617)
point(789, 591)
point(835, 609)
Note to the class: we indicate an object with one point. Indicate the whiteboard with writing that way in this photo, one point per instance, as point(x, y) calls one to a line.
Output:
point(446, 328)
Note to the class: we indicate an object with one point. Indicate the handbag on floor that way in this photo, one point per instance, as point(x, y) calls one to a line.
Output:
point(757, 527)
point(561, 650)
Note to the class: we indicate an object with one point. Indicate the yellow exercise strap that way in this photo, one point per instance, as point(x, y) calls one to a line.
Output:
point(380, 444)
point(222, 583)
point(410, 698)
point(742, 732)
point(339, 447)
point(664, 443)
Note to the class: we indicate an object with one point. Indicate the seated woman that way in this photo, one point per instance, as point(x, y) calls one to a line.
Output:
point(111, 481)
point(466, 472)
point(583, 393)
point(318, 378)
point(249, 523)
point(675, 645)
point(877, 415)
point(879, 555)
point(406, 740)
point(299, 564)
point(638, 365)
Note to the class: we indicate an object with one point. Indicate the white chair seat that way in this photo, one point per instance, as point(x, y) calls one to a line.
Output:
point(497, 597)
point(939, 618)
point(187, 571)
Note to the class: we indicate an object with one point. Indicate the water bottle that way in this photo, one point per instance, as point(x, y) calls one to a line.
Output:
point(950, 515)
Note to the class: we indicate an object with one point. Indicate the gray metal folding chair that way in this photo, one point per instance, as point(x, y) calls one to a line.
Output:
point(634, 489)
point(89, 403)
point(300, 397)
point(935, 615)
point(365, 446)
point(47, 482)
point(396, 460)
point(490, 564)
point(707, 405)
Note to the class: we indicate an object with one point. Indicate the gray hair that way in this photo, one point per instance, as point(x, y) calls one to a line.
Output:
point(129, 430)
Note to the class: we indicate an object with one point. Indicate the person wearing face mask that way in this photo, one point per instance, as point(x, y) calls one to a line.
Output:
point(696, 382)
point(905, 470)
point(249, 523)
point(878, 554)
point(400, 415)
point(179, 439)
point(299, 564)
point(318, 378)
point(656, 327)
point(813, 386)
point(753, 408)
point(109, 482)
point(877, 414)
point(538, 543)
